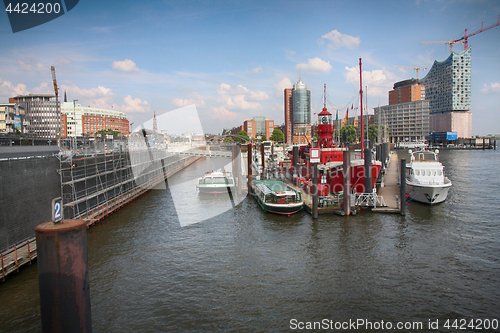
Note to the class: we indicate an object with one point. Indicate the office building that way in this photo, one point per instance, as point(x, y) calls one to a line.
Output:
point(78, 120)
point(42, 114)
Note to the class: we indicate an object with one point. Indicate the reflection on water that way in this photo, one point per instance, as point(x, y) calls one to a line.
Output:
point(245, 270)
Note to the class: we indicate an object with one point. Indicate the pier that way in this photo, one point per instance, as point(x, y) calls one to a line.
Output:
point(390, 189)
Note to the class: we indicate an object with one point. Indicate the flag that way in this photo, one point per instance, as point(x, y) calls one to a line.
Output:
point(346, 115)
point(337, 118)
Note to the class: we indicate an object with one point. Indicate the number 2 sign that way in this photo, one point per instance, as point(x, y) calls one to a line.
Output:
point(57, 210)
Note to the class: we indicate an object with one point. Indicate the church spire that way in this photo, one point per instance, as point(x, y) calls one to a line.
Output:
point(155, 126)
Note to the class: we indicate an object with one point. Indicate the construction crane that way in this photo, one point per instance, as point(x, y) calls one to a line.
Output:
point(415, 68)
point(56, 90)
point(465, 40)
point(451, 42)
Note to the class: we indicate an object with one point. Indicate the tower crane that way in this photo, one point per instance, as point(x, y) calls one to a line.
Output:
point(415, 68)
point(465, 40)
point(56, 90)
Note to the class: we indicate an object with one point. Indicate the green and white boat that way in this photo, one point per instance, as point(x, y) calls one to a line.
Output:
point(275, 196)
point(215, 182)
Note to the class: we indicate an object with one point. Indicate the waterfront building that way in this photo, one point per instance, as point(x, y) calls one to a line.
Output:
point(78, 120)
point(406, 91)
point(12, 119)
point(448, 88)
point(405, 121)
point(43, 116)
point(258, 126)
point(288, 128)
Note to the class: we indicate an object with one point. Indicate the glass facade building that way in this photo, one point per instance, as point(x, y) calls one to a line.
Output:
point(301, 104)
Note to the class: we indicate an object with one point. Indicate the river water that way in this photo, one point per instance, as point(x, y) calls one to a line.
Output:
point(249, 271)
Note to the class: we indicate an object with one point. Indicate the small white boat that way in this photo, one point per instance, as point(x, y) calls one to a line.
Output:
point(216, 182)
point(425, 179)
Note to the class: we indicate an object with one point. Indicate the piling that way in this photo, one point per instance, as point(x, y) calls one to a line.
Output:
point(403, 186)
point(368, 170)
point(347, 182)
point(63, 276)
point(295, 153)
point(237, 158)
point(249, 162)
point(315, 199)
point(263, 163)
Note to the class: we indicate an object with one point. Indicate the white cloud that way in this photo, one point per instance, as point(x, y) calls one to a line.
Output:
point(7, 89)
point(135, 105)
point(31, 64)
point(282, 85)
point(339, 40)
point(315, 66)
point(493, 88)
point(223, 114)
point(236, 97)
point(126, 65)
point(379, 81)
point(258, 95)
point(257, 70)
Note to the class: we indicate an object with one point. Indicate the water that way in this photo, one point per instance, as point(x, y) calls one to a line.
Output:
point(249, 271)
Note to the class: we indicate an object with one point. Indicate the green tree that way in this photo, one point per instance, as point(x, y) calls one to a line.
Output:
point(103, 133)
point(228, 139)
point(348, 133)
point(372, 132)
point(242, 137)
point(277, 135)
point(263, 138)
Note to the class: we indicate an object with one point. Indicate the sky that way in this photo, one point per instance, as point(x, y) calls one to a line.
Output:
point(232, 59)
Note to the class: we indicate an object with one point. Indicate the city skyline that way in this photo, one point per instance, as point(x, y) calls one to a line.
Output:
point(234, 60)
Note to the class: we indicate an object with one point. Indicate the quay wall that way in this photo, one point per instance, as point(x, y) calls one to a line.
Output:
point(27, 187)
point(91, 187)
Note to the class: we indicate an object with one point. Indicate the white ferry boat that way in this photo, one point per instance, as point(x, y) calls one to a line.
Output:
point(425, 179)
point(216, 182)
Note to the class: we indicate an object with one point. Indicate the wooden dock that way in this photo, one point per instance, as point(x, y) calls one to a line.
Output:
point(391, 189)
point(327, 205)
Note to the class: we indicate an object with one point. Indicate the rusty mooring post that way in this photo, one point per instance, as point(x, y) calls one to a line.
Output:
point(63, 276)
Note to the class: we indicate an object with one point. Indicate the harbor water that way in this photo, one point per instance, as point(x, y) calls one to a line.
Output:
point(242, 270)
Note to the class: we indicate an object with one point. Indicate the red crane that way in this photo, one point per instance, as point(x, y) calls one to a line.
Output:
point(464, 40)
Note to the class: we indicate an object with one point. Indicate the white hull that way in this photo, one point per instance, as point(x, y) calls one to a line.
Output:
point(428, 194)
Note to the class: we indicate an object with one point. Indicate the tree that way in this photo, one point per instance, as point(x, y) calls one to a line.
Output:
point(103, 133)
point(348, 133)
point(277, 135)
point(263, 138)
point(242, 137)
point(372, 132)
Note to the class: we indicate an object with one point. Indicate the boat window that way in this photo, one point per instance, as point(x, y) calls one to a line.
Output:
point(433, 172)
point(290, 198)
point(202, 181)
point(428, 172)
point(417, 172)
point(208, 180)
point(440, 172)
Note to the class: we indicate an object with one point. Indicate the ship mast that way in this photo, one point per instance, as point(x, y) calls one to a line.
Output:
point(361, 100)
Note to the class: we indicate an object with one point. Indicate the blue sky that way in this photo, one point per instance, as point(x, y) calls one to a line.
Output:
point(232, 59)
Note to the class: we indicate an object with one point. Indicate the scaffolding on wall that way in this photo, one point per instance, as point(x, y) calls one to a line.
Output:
point(93, 186)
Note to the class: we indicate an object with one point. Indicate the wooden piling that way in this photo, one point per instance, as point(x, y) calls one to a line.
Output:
point(368, 170)
point(347, 182)
point(403, 186)
point(249, 162)
point(315, 199)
